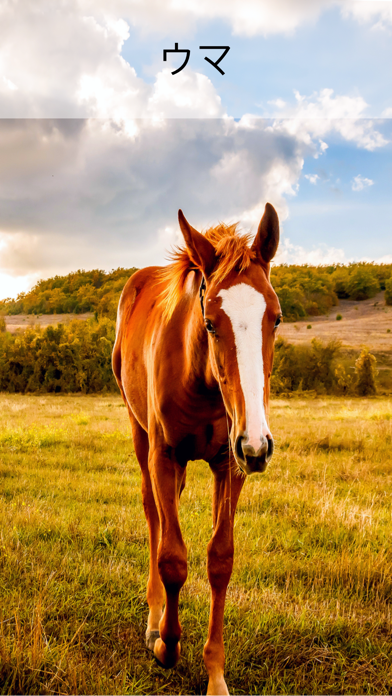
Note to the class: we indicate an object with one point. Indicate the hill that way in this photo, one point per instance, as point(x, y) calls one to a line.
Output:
point(79, 292)
point(368, 322)
point(302, 290)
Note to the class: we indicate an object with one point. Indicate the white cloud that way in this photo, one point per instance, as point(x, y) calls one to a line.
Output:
point(102, 193)
point(191, 94)
point(360, 182)
point(383, 259)
point(320, 254)
point(312, 117)
point(376, 12)
point(63, 60)
point(312, 178)
point(11, 286)
point(245, 17)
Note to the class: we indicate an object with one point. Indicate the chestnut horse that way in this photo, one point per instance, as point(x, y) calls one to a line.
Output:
point(193, 359)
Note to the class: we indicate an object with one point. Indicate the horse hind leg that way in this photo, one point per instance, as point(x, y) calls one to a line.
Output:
point(155, 589)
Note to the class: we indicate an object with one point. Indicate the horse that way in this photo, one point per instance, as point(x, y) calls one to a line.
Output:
point(193, 359)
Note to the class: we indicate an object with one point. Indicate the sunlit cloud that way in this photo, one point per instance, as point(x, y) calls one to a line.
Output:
point(317, 255)
point(11, 286)
point(311, 118)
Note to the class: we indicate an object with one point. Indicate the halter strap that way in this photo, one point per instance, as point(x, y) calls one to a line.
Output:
point(202, 292)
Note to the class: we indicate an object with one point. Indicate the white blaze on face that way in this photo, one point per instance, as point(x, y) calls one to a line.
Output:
point(245, 308)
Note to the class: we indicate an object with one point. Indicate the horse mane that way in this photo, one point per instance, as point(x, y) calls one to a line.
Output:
point(233, 252)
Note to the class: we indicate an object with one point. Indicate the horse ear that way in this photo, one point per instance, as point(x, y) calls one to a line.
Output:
point(200, 250)
point(267, 237)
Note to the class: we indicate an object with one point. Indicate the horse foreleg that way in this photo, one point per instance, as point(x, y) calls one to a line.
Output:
point(227, 489)
point(167, 479)
point(155, 590)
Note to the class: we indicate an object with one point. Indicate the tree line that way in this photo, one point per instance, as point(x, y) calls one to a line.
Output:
point(302, 290)
point(78, 292)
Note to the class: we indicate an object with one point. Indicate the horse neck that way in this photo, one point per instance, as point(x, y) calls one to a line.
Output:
point(196, 347)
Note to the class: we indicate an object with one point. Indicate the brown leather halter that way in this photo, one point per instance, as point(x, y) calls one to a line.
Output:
point(202, 292)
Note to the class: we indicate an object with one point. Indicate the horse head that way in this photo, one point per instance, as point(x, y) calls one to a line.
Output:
point(241, 315)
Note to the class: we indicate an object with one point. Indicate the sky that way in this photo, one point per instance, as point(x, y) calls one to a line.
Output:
point(100, 144)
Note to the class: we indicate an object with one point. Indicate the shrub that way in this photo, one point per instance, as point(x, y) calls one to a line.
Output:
point(339, 317)
point(365, 369)
point(65, 358)
point(388, 291)
point(304, 367)
point(343, 380)
point(314, 367)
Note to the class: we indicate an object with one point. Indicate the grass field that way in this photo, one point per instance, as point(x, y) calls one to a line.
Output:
point(309, 604)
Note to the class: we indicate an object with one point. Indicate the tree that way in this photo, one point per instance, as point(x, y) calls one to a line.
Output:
point(362, 283)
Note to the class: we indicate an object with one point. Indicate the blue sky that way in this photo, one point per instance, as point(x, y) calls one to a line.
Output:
point(100, 145)
point(332, 52)
point(358, 221)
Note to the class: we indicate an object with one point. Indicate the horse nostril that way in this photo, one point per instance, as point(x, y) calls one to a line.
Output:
point(238, 447)
point(270, 450)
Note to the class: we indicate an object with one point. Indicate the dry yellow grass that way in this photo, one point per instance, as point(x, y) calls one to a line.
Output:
point(19, 322)
point(308, 608)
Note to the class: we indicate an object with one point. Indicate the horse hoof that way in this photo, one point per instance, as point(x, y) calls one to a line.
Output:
point(166, 658)
point(151, 637)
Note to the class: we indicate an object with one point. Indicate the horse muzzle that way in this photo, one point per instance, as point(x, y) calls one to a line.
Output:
point(248, 459)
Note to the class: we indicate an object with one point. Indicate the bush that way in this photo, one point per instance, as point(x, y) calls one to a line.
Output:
point(339, 317)
point(304, 367)
point(314, 367)
point(388, 291)
point(65, 358)
point(343, 380)
point(365, 369)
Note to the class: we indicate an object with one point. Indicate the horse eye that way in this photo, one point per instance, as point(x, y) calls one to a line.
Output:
point(209, 326)
point(278, 320)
